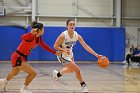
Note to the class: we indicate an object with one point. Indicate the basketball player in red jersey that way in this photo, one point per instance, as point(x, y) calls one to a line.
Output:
point(19, 57)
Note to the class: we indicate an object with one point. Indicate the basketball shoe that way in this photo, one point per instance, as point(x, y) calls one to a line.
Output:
point(24, 90)
point(55, 77)
point(84, 88)
point(4, 84)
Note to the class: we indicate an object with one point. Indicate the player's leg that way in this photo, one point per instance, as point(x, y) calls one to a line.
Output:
point(128, 58)
point(73, 67)
point(77, 71)
point(64, 60)
point(31, 75)
point(57, 74)
point(10, 75)
point(70, 66)
point(66, 70)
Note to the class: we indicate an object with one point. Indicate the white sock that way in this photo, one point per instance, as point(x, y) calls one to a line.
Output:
point(25, 87)
point(6, 80)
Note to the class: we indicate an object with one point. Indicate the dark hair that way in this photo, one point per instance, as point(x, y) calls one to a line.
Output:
point(37, 25)
point(69, 21)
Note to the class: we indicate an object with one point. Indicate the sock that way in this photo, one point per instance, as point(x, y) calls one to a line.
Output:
point(6, 80)
point(58, 74)
point(83, 83)
point(25, 87)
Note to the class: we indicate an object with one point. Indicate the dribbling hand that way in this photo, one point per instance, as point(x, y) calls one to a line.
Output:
point(99, 56)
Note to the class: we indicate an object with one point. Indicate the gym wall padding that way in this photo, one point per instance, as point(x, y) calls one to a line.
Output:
point(108, 41)
point(9, 40)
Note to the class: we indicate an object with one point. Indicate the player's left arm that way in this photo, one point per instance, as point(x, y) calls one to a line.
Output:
point(87, 47)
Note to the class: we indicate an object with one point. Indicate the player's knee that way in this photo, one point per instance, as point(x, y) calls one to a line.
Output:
point(77, 70)
point(71, 70)
point(33, 73)
point(13, 73)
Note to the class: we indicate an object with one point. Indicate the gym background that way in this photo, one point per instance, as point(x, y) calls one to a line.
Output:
point(108, 26)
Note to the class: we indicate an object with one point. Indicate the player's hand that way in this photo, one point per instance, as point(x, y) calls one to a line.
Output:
point(34, 31)
point(99, 56)
point(58, 53)
point(66, 52)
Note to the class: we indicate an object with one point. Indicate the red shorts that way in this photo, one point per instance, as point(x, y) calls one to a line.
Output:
point(17, 59)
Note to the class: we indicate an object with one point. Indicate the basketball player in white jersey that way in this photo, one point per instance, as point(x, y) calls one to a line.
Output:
point(65, 43)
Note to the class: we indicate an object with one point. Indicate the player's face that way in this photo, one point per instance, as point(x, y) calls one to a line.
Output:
point(71, 25)
point(41, 32)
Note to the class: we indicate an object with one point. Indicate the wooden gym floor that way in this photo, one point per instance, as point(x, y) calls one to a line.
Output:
point(117, 78)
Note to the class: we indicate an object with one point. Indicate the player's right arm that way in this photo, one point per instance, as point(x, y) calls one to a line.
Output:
point(58, 43)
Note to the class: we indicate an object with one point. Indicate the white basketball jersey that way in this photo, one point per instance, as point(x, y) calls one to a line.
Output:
point(68, 42)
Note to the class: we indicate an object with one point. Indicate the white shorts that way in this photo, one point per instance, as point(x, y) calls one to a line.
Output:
point(64, 58)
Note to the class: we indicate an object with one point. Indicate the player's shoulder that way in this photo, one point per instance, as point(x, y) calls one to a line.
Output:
point(76, 32)
point(62, 35)
point(64, 32)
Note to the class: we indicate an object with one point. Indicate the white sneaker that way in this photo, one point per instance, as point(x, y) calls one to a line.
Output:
point(124, 62)
point(4, 84)
point(84, 88)
point(24, 90)
point(55, 77)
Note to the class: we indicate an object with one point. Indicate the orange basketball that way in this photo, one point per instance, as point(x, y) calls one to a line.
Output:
point(103, 62)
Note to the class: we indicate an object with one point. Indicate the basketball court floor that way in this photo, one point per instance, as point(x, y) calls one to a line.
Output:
point(117, 78)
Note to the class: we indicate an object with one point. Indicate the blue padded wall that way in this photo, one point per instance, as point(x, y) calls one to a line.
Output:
point(106, 41)
point(9, 40)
